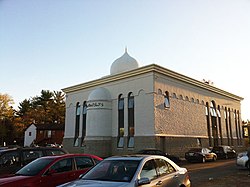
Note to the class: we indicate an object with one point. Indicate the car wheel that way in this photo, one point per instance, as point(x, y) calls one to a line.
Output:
point(203, 160)
point(248, 165)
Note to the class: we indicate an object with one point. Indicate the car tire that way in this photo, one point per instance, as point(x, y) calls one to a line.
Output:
point(203, 160)
point(248, 165)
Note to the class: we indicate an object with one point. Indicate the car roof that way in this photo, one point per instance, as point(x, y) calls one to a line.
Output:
point(70, 155)
point(133, 157)
point(32, 148)
point(154, 149)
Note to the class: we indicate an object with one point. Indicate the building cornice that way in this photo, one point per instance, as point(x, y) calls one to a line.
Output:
point(148, 69)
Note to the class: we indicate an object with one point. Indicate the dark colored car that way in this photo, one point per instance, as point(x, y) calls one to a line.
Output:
point(51, 171)
point(152, 151)
point(132, 171)
point(200, 155)
point(11, 160)
point(224, 152)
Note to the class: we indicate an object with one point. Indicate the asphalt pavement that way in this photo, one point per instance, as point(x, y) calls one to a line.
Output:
point(222, 173)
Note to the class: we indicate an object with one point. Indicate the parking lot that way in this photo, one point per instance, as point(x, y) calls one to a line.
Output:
point(221, 173)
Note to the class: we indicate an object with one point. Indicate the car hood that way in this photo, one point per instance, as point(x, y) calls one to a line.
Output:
point(94, 183)
point(9, 180)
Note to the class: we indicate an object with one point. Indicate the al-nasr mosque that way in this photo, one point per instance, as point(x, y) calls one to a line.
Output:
point(150, 106)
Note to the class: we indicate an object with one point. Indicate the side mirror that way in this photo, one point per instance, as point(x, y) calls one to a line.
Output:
point(143, 181)
point(80, 176)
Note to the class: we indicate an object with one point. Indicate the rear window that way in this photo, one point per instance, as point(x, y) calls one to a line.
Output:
point(195, 150)
point(51, 152)
point(217, 149)
point(9, 158)
point(29, 155)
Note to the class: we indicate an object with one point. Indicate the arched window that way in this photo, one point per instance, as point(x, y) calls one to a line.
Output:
point(77, 123)
point(131, 117)
point(197, 101)
point(236, 126)
point(213, 112)
point(227, 125)
point(230, 127)
point(208, 124)
point(120, 139)
point(181, 97)
point(219, 123)
point(166, 101)
point(175, 96)
point(84, 117)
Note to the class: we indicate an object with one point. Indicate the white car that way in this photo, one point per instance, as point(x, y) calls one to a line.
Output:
point(242, 160)
point(132, 171)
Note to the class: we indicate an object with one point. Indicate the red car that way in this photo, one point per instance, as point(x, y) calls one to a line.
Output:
point(51, 171)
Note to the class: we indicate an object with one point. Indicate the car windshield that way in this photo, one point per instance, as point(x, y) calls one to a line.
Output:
point(195, 150)
point(34, 167)
point(217, 149)
point(113, 170)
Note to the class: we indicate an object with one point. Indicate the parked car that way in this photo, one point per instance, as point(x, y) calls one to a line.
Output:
point(51, 171)
point(243, 160)
point(11, 160)
point(200, 155)
point(153, 151)
point(224, 152)
point(134, 170)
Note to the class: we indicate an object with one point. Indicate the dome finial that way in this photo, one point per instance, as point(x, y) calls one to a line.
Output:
point(124, 63)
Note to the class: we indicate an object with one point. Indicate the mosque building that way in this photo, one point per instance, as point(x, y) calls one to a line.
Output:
point(148, 107)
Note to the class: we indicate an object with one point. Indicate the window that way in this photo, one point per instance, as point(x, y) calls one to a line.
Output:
point(29, 133)
point(166, 101)
point(149, 170)
point(62, 165)
point(84, 121)
point(49, 133)
point(181, 97)
point(213, 110)
point(10, 159)
point(164, 167)
point(83, 162)
point(30, 155)
point(120, 121)
point(131, 120)
point(77, 122)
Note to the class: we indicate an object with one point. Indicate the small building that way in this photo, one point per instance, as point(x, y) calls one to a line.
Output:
point(151, 106)
point(41, 134)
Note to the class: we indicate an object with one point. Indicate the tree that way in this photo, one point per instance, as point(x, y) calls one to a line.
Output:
point(6, 118)
point(6, 109)
point(48, 108)
point(58, 107)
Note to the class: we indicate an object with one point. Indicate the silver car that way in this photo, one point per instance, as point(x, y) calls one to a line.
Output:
point(242, 160)
point(132, 171)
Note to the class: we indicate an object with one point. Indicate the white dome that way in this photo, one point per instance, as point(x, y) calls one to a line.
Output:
point(99, 94)
point(124, 63)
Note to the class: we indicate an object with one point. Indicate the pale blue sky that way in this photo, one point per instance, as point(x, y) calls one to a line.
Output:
point(53, 44)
